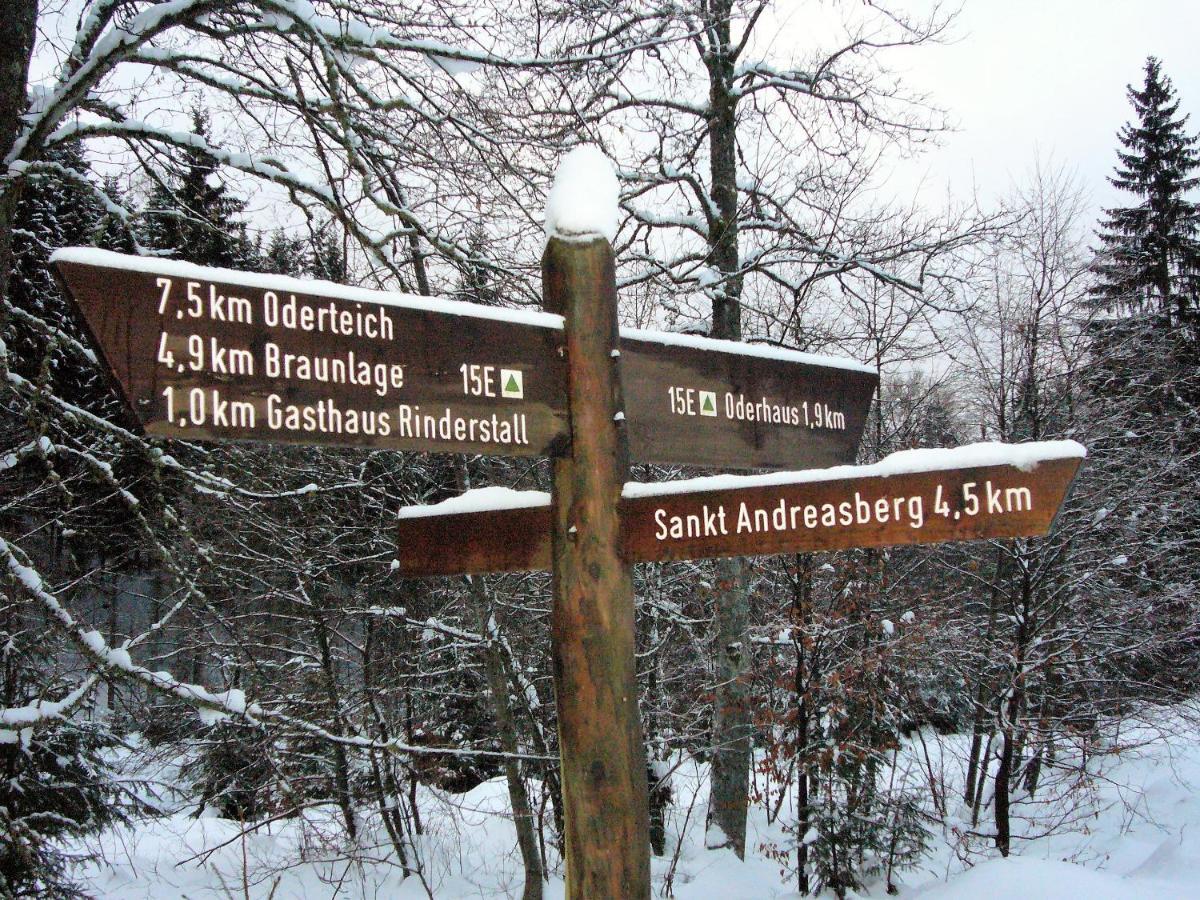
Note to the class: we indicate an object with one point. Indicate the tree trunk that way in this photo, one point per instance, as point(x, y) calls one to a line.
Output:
point(660, 789)
point(518, 796)
point(552, 785)
point(1003, 780)
point(16, 50)
point(110, 690)
point(975, 768)
point(497, 682)
point(977, 799)
point(1011, 710)
point(387, 789)
point(341, 764)
point(801, 616)
point(732, 732)
point(732, 749)
point(722, 144)
point(660, 798)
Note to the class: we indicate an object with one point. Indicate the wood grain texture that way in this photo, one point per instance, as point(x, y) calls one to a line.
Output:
point(604, 783)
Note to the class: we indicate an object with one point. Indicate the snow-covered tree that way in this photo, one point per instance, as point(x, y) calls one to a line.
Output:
point(193, 577)
point(1149, 258)
point(192, 213)
point(54, 781)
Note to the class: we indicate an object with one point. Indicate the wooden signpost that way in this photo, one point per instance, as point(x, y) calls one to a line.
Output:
point(943, 495)
point(592, 639)
point(212, 354)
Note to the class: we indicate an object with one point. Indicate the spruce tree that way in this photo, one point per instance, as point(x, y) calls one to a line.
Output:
point(54, 211)
point(194, 215)
point(55, 782)
point(1141, 385)
point(284, 255)
point(325, 259)
point(1149, 260)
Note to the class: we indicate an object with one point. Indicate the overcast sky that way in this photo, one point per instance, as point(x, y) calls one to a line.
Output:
point(1048, 77)
point(1028, 78)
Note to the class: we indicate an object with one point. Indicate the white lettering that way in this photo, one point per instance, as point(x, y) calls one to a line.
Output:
point(325, 316)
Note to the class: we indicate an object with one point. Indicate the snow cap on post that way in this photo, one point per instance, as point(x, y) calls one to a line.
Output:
point(583, 199)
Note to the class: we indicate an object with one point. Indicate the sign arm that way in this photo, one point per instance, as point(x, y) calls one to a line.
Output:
point(982, 491)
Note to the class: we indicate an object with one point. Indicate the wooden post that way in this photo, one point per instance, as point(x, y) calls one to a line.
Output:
point(592, 625)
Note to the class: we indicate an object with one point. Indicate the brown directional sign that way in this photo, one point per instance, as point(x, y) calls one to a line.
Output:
point(217, 355)
point(212, 354)
point(718, 403)
point(770, 515)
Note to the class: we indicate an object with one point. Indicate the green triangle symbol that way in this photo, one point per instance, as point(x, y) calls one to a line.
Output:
point(512, 384)
point(708, 404)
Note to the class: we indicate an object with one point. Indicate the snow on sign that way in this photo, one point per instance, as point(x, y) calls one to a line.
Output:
point(914, 497)
point(214, 354)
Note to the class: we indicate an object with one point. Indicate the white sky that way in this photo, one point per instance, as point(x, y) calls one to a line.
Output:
point(1030, 78)
point(1025, 79)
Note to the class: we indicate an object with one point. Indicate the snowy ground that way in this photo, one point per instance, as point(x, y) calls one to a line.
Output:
point(1137, 835)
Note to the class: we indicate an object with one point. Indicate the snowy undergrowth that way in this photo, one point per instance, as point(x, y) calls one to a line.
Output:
point(1130, 831)
point(1134, 834)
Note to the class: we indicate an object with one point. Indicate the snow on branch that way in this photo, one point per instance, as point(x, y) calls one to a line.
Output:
point(265, 167)
point(203, 482)
point(339, 68)
point(211, 704)
point(20, 719)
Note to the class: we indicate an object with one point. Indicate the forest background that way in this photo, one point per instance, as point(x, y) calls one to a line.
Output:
point(233, 608)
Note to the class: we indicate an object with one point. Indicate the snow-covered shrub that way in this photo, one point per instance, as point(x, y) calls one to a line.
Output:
point(54, 783)
point(234, 772)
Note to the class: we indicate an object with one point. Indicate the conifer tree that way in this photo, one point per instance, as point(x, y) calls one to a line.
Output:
point(1149, 258)
point(284, 254)
point(325, 258)
point(1142, 386)
point(195, 216)
point(54, 780)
